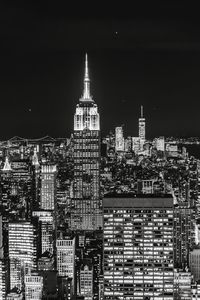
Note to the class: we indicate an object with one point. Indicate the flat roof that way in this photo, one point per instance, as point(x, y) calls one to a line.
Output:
point(138, 202)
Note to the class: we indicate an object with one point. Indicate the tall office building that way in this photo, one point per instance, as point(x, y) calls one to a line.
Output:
point(119, 139)
point(22, 252)
point(194, 263)
point(182, 285)
point(138, 248)
point(184, 236)
point(48, 177)
point(2, 265)
point(1, 238)
point(22, 187)
point(46, 230)
point(5, 187)
point(86, 203)
point(2, 280)
point(66, 257)
point(142, 131)
point(86, 282)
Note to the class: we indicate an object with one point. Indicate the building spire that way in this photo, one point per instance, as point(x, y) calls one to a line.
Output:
point(86, 91)
point(7, 166)
point(141, 111)
point(35, 161)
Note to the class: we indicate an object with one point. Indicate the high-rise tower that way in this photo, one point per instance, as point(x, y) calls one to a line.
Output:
point(48, 177)
point(142, 126)
point(138, 247)
point(86, 204)
point(22, 251)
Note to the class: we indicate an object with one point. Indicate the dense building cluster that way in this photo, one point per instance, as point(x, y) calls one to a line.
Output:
point(99, 218)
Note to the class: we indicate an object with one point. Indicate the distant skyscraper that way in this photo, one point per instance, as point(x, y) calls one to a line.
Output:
point(35, 160)
point(7, 165)
point(142, 132)
point(184, 236)
point(48, 177)
point(5, 187)
point(2, 265)
point(22, 252)
point(136, 144)
point(138, 248)
point(86, 203)
point(22, 185)
point(65, 249)
point(160, 143)
point(119, 139)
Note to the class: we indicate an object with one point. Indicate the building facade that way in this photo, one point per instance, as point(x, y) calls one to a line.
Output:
point(184, 236)
point(86, 282)
point(119, 139)
point(48, 177)
point(33, 286)
point(46, 230)
point(65, 249)
point(194, 263)
point(22, 252)
point(2, 280)
point(142, 129)
point(138, 248)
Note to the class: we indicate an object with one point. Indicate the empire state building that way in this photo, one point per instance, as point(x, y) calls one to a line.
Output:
point(86, 210)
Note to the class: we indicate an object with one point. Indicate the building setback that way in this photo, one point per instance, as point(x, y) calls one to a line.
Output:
point(86, 210)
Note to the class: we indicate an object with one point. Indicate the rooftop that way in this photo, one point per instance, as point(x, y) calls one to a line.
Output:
point(138, 201)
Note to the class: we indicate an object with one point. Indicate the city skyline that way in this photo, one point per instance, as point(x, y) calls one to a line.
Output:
point(139, 58)
point(99, 151)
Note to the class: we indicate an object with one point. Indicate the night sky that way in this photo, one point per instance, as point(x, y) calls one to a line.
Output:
point(146, 55)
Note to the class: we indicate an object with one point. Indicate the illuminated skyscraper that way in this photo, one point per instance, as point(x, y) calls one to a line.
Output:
point(119, 139)
point(138, 248)
point(2, 280)
point(22, 252)
point(65, 249)
point(7, 165)
point(142, 127)
point(86, 282)
point(184, 237)
point(48, 177)
point(5, 187)
point(160, 143)
point(35, 160)
point(86, 204)
point(36, 181)
point(2, 265)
